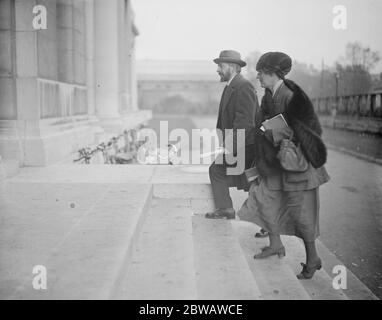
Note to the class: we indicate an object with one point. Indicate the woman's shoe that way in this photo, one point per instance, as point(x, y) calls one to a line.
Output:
point(308, 271)
point(269, 251)
point(262, 234)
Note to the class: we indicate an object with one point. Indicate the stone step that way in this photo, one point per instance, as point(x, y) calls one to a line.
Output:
point(91, 255)
point(86, 173)
point(182, 191)
point(355, 288)
point(36, 218)
point(322, 289)
point(274, 277)
point(201, 206)
point(162, 266)
point(320, 286)
point(221, 269)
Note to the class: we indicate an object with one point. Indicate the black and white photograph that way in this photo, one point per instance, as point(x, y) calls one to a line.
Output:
point(198, 154)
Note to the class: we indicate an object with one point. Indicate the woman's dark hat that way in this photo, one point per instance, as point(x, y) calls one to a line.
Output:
point(275, 62)
point(231, 56)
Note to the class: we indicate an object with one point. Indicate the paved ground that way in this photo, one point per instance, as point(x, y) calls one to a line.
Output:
point(351, 216)
point(351, 203)
point(367, 144)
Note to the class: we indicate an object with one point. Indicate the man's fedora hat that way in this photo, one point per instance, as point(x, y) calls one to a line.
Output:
point(230, 56)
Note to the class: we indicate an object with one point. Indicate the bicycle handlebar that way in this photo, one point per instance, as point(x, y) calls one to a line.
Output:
point(88, 152)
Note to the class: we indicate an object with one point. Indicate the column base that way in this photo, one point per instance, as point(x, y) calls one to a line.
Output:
point(44, 142)
point(48, 141)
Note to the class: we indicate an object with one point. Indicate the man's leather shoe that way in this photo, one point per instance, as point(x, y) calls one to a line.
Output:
point(228, 213)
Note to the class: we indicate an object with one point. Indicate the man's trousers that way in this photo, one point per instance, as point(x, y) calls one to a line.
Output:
point(221, 182)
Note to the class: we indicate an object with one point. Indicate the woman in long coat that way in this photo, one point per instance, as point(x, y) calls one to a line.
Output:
point(280, 201)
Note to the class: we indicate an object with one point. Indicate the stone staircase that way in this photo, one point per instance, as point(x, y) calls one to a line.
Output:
point(182, 255)
point(137, 232)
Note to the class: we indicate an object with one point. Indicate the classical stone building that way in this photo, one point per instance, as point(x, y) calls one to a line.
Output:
point(64, 86)
point(179, 86)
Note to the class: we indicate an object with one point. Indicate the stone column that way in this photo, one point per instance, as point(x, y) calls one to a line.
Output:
point(7, 68)
point(134, 83)
point(133, 33)
point(131, 83)
point(107, 63)
point(89, 12)
point(124, 69)
point(65, 46)
point(9, 145)
point(27, 97)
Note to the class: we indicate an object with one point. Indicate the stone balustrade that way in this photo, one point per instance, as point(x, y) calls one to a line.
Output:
point(363, 105)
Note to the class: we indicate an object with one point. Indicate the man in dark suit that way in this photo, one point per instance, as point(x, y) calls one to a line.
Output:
point(238, 109)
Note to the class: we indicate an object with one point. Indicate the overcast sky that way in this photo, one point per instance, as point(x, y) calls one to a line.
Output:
point(199, 29)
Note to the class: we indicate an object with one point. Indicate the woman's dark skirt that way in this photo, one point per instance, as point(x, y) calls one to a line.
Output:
point(284, 213)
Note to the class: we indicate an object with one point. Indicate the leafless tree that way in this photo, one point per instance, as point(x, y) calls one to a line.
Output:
point(354, 70)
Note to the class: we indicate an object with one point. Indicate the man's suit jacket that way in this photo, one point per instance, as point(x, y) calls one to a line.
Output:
point(238, 109)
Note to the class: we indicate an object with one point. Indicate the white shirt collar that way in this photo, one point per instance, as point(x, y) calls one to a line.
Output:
point(276, 86)
point(230, 80)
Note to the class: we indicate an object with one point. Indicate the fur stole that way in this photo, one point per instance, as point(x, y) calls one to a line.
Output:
point(301, 117)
